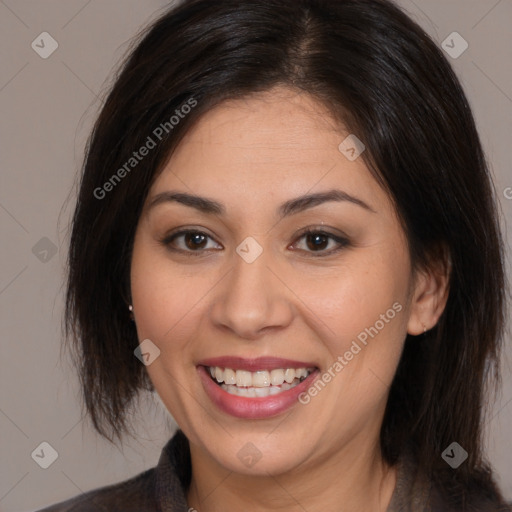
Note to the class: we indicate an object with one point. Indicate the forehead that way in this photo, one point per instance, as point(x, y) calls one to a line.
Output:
point(281, 123)
point(276, 144)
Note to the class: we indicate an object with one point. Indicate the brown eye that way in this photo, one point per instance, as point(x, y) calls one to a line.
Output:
point(195, 240)
point(188, 241)
point(320, 242)
point(317, 241)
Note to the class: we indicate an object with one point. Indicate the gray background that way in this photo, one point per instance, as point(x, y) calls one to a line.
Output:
point(47, 108)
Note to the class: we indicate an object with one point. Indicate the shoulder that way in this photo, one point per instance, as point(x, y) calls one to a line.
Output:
point(136, 494)
point(474, 502)
point(416, 491)
point(159, 488)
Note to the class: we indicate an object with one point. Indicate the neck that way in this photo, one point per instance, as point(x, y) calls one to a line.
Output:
point(352, 480)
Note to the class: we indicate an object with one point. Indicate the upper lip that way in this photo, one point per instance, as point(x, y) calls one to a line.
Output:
point(252, 365)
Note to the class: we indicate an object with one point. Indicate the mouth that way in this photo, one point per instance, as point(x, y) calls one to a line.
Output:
point(260, 383)
point(255, 388)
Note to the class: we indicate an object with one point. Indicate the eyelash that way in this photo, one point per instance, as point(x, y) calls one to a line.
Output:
point(343, 242)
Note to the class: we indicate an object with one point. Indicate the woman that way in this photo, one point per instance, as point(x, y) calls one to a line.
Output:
point(286, 228)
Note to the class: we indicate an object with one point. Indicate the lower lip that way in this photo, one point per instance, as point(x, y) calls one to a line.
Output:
point(253, 408)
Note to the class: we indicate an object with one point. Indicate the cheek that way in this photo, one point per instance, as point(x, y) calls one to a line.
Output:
point(163, 302)
point(360, 318)
point(362, 313)
point(163, 297)
point(358, 295)
point(168, 316)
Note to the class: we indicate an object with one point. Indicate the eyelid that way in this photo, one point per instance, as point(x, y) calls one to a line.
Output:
point(341, 239)
point(170, 237)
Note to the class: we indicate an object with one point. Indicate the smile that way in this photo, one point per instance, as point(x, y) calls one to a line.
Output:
point(255, 388)
point(259, 383)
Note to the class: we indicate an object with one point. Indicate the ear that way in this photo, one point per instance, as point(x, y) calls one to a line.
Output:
point(430, 294)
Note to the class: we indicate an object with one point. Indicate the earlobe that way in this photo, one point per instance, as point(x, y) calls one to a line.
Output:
point(430, 295)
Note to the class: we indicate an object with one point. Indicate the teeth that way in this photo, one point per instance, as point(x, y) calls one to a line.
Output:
point(276, 377)
point(262, 391)
point(289, 375)
point(229, 376)
point(243, 378)
point(258, 392)
point(301, 372)
point(261, 379)
point(242, 392)
point(260, 383)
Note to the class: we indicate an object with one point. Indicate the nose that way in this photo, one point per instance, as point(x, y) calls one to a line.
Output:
point(253, 298)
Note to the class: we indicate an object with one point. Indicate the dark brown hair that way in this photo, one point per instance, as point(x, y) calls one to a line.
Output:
point(380, 74)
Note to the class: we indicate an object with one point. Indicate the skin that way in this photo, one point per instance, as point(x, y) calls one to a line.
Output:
point(252, 155)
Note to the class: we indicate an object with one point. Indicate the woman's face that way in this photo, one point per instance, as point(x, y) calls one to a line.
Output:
point(250, 294)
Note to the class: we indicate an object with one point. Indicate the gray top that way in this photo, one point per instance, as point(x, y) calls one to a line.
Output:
point(162, 489)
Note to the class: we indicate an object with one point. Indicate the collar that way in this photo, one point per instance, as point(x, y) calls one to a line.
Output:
point(173, 475)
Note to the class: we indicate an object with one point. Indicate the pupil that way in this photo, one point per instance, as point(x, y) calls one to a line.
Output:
point(319, 241)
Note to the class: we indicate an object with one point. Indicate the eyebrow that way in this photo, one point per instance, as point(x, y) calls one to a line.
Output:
point(291, 207)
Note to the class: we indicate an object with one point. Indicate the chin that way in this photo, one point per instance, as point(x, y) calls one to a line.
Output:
point(259, 454)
